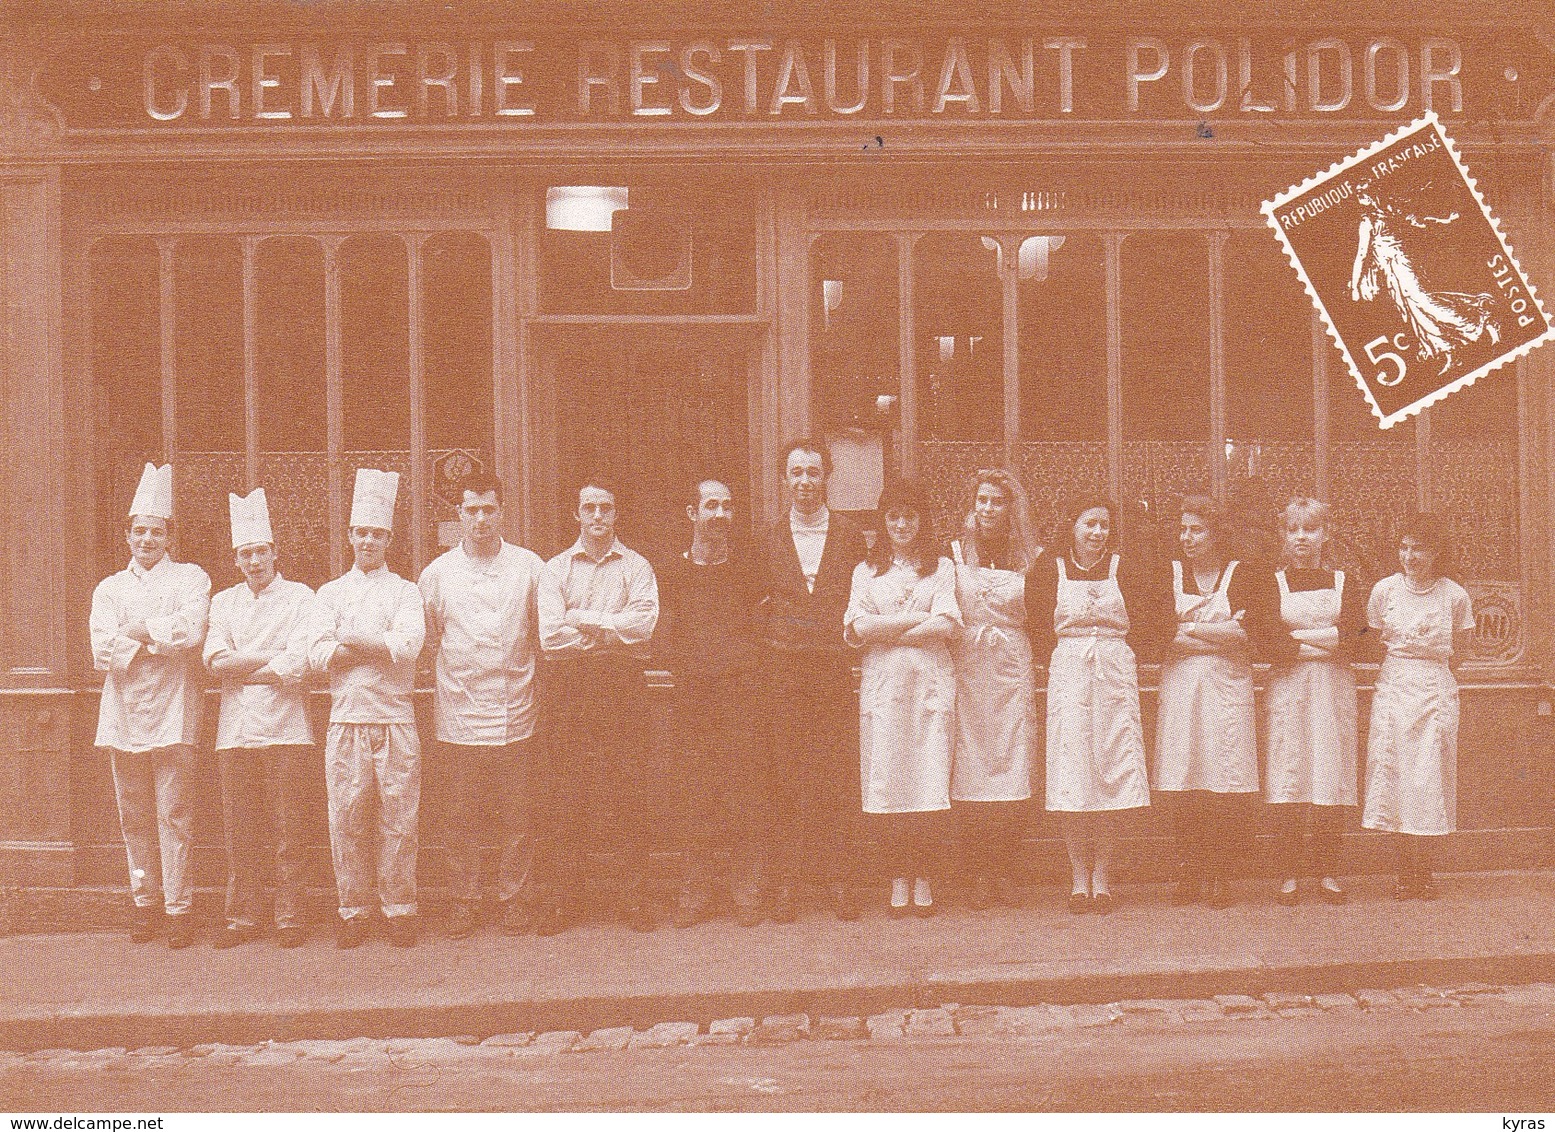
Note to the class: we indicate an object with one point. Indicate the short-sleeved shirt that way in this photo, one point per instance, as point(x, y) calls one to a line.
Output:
point(1417, 625)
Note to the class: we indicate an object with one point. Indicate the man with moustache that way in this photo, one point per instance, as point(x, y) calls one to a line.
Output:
point(805, 565)
point(706, 637)
point(481, 601)
point(599, 603)
point(257, 648)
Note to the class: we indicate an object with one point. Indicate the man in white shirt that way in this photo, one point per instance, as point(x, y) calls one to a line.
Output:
point(599, 603)
point(147, 623)
point(481, 618)
point(366, 631)
point(257, 648)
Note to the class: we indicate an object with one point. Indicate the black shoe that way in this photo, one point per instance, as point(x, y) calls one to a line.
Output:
point(461, 922)
point(690, 909)
point(553, 921)
point(234, 934)
point(1404, 889)
point(147, 925)
point(1186, 891)
point(290, 937)
point(1426, 888)
point(783, 905)
point(1079, 903)
point(1217, 894)
point(843, 902)
point(748, 915)
point(352, 933)
point(1102, 903)
point(402, 931)
point(981, 895)
point(1007, 892)
point(180, 931)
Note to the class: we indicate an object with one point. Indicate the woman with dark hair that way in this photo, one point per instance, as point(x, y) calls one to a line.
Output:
point(902, 612)
point(1425, 620)
point(1206, 730)
point(1311, 706)
point(996, 711)
point(1085, 605)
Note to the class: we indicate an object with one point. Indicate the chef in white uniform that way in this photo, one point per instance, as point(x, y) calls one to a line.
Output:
point(1426, 621)
point(481, 601)
point(147, 624)
point(257, 648)
point(366, 631)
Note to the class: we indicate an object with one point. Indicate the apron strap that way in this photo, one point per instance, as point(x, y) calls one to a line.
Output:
point(1279, 576)
point(1063, 574)
point(1112, 570)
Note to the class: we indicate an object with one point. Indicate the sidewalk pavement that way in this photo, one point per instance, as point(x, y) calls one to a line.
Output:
point(89, 991)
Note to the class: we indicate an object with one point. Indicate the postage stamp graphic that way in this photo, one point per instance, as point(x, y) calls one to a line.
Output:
point(1409, 270)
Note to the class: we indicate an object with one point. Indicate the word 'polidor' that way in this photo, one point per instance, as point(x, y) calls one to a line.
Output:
point(1409, 270)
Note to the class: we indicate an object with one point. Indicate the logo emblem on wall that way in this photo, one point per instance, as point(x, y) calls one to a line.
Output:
point(450, 470)
point(1409, 270)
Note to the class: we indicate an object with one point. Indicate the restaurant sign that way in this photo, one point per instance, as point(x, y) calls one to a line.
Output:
point(1016, 75)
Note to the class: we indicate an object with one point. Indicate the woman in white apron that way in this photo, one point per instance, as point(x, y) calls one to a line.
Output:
point(1425, 621)
point(1089, 607)
point(902, 612)
point(996, 711)
point(1310, 706)
point(1206, 730)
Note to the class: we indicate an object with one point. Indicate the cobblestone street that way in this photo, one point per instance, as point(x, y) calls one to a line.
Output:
point(1420, 1047)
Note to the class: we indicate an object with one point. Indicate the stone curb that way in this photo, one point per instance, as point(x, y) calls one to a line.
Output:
point(766, 1015)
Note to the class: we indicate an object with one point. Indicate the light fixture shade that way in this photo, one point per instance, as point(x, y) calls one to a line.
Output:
point(1034, 252)
point(583, 208)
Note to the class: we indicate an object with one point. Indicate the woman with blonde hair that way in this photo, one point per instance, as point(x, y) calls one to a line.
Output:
point(996, 721)
point(1310, 705)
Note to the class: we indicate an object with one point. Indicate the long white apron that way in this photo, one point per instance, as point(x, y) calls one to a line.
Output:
point(907, 696)
point(1206, 735)
point(996, 705)
point(1412, 749)
point(1311, 710)
point(1095, 743)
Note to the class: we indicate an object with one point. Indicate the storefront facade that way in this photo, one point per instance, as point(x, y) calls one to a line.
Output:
point(274, 248)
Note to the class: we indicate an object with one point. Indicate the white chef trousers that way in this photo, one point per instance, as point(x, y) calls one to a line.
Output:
point(155, 791)
point(373, 773)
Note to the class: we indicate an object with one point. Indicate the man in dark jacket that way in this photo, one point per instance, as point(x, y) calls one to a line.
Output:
point(805, 563)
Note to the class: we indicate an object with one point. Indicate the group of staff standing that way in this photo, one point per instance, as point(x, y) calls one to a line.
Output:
point(952, 644)
point(540, 703)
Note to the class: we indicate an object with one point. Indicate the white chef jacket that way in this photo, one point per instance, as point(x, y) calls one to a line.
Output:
point(376, 604)
point(481, 619)
point(273, 621)
point(151, 698)
point(620, 587)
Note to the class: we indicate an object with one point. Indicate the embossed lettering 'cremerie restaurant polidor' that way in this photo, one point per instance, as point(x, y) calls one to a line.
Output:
point(275, 242)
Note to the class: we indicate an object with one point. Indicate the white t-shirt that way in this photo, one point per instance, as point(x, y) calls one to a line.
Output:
point(1418, 625)
point(809, 543)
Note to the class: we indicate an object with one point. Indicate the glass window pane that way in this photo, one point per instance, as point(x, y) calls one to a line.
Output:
point(1268, 335)
point(126, 381)
point(1063, 338)
point(1165, 300)
point(208, 321)
point(959, 320)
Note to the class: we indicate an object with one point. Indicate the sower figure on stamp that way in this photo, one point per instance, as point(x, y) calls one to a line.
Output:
point(147, 624)
point(366, 632)
point(481, 601)
point(805, 563)
point(257, 648)
point(707, 638)
point(599, 603)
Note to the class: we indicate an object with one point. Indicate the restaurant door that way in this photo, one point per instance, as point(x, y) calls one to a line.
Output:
point(650, 408)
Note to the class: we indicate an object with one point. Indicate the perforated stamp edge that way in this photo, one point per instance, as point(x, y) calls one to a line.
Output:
point(1316, 180)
